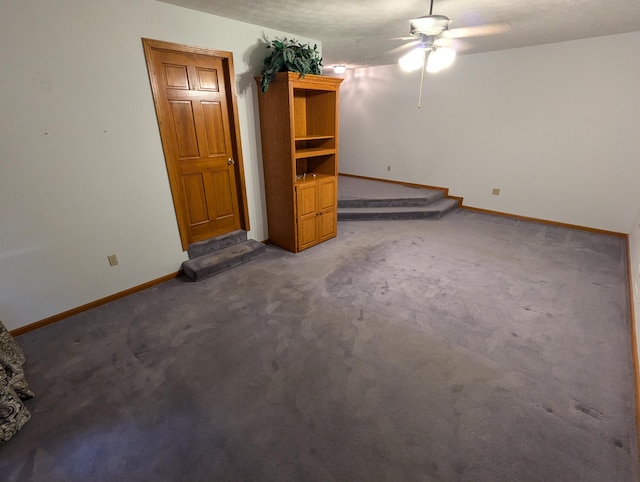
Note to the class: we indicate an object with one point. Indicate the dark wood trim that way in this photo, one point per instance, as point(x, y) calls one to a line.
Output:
point(232, 99)
point(445, 190)
point(545, 221)
point(634, 343)
point(94, 304)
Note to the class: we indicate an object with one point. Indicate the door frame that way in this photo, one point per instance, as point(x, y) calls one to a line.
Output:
point(174, 179)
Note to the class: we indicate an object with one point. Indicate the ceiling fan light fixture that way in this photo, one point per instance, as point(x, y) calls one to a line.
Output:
point(440, 59)
point(429, 25)
point(414, 60)
point(339, 69)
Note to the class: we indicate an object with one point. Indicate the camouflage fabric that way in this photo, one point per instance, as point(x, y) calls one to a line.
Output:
point(13, 387)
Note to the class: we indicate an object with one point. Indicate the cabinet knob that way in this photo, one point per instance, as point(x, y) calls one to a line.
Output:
point(230, 161)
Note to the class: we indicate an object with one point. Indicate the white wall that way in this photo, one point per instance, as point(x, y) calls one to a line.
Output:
point(555, 127)
point(82, 174)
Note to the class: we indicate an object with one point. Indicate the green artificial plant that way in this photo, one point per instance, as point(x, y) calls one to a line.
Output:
point(292, 56)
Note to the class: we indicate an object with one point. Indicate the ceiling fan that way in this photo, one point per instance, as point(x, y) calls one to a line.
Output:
point(433, 39)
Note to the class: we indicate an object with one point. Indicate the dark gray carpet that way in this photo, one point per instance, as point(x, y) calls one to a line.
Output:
point(222, 259)
point(356, 191)
point(366, 199)
point(472, 348)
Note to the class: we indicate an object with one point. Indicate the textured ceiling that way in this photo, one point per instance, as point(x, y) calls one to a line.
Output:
point(364, 32)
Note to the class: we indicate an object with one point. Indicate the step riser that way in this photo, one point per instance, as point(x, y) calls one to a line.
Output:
point(433, 211)
point(209, 265)
point(390, 216)
point(383, 203)
point(202, 248)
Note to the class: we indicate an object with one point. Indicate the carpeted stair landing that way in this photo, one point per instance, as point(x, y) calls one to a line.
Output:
point(364, 199)
point(212, 256)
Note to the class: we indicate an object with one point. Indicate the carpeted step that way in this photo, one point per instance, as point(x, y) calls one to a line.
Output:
point(426, 197)
point(219, 242)
point(222, 259)
point(434, 210)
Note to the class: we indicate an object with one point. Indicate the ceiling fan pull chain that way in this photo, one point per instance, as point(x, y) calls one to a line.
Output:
point(424, 65)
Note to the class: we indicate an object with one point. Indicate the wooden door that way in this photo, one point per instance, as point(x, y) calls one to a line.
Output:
point(194, 95)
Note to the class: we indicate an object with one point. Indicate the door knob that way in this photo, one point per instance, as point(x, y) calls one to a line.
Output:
point(230, 161)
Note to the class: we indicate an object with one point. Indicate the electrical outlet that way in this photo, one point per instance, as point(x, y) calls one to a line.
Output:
point(388, 168)
point(495, 191)
point(113, 260)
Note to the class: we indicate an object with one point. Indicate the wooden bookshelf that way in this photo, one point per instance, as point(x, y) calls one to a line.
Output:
point(299, 129)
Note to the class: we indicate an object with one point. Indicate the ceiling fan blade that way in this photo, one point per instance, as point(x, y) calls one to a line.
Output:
point(478, 30)
point(404, 47)
point(451, 43)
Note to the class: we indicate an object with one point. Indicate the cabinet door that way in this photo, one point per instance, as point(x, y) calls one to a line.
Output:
point(327, 195)
point(307, 232)
point(307, 199)
point(307, 208)
point(327, 225)
point(328, 219)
